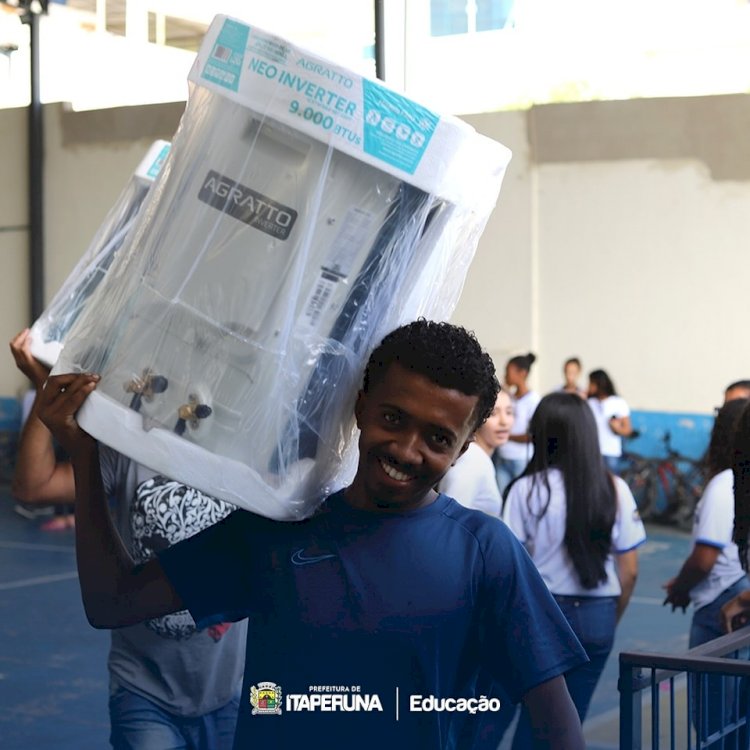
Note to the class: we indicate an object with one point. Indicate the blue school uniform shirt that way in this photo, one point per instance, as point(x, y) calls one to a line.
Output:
point(404, 607)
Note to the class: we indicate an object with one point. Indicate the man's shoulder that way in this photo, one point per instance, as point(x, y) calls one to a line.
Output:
point(484, 529)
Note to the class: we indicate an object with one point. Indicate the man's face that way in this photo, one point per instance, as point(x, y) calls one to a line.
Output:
point(412, 431)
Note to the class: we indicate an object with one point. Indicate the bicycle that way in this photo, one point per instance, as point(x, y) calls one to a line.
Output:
point(666, 489)
point(638, 474)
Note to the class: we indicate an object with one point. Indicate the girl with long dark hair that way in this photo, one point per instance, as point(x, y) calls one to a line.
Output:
point(736, 612)
point(712, 574)
point(581, 527)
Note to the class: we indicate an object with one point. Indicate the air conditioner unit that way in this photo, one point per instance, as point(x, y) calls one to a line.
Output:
point(50, 329)
point(303, 212)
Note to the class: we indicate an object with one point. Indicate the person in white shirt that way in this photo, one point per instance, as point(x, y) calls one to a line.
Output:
point(471, 480)
point(581, 527)
point(612, 415)
point(736, 613)
point(713, 575)
point(511, 458)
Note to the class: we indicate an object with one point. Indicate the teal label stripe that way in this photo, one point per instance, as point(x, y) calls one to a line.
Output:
point(224, 66)
point(396, 130)
point(155, 168)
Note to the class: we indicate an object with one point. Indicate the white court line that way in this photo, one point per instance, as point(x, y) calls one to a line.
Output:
point(39, 581)
point(42, 547)
point(646, 600)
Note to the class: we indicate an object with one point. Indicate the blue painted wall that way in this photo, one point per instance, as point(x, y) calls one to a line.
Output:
point(689, 433)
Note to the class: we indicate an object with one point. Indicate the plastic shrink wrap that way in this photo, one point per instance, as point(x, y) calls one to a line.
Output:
point(303, 212)
point(50, 329)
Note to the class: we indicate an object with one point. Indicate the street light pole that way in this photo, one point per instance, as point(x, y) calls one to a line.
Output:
point(36, 165)
point(380, 39)
point(29, 12)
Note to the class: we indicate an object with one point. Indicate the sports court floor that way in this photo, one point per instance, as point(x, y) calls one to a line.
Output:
point(53, 675)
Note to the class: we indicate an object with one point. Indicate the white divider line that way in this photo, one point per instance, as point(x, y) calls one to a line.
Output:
point(646, 600)
point(39, 581)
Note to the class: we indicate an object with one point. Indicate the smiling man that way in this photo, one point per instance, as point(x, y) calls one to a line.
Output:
point(369, 622)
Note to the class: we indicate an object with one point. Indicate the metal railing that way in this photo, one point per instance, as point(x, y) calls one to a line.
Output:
point(683, 694)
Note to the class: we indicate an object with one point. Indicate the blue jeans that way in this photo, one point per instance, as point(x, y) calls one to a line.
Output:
point(613, 463)
point(593, 620)
point(139, 724)
point(506, 470)
point(715, 711)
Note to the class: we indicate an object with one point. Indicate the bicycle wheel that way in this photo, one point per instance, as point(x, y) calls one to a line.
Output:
point(683, 506)
point(688, 489)
point(660, 483)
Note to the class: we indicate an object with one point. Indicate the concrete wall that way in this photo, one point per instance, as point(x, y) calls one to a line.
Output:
point(631, 220)
point(619, 236)
point(89, 159)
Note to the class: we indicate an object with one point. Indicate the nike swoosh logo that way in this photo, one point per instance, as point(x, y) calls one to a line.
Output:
point(299, 558)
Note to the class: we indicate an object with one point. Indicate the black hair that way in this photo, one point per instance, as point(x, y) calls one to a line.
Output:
point(523, 361)
point(446, 354)
point(738, 384)
point(603, 383)
point(741, 471)
point(565, 437)
point(721, 444)
point(572, 361)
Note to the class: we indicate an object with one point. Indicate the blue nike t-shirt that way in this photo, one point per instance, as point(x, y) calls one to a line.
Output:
point(369, 628)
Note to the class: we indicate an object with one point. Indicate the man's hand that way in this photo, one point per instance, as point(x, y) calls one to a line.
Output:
point(32, 368)
point(62, 397)
point(675, 597)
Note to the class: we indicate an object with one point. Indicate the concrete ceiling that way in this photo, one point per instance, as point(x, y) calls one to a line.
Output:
point(179, 32)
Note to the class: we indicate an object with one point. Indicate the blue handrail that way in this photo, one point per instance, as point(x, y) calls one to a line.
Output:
point(646, 673)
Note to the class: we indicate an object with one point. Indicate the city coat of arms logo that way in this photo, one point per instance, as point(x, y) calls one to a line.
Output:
point(265, 698)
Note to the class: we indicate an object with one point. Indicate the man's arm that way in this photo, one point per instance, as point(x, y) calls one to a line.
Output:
point(115, 591)
point(554, 719)
point(38, 477)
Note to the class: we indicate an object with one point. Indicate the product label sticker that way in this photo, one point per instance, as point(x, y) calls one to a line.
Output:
point(272, 48)
point(396, 130)
point(336, 106)
point(247, 205)
point(307, 94)
point(319, 298)
point(158, 163)
point(224, 66)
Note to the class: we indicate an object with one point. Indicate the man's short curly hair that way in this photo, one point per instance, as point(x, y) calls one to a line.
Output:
point(447, 354)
